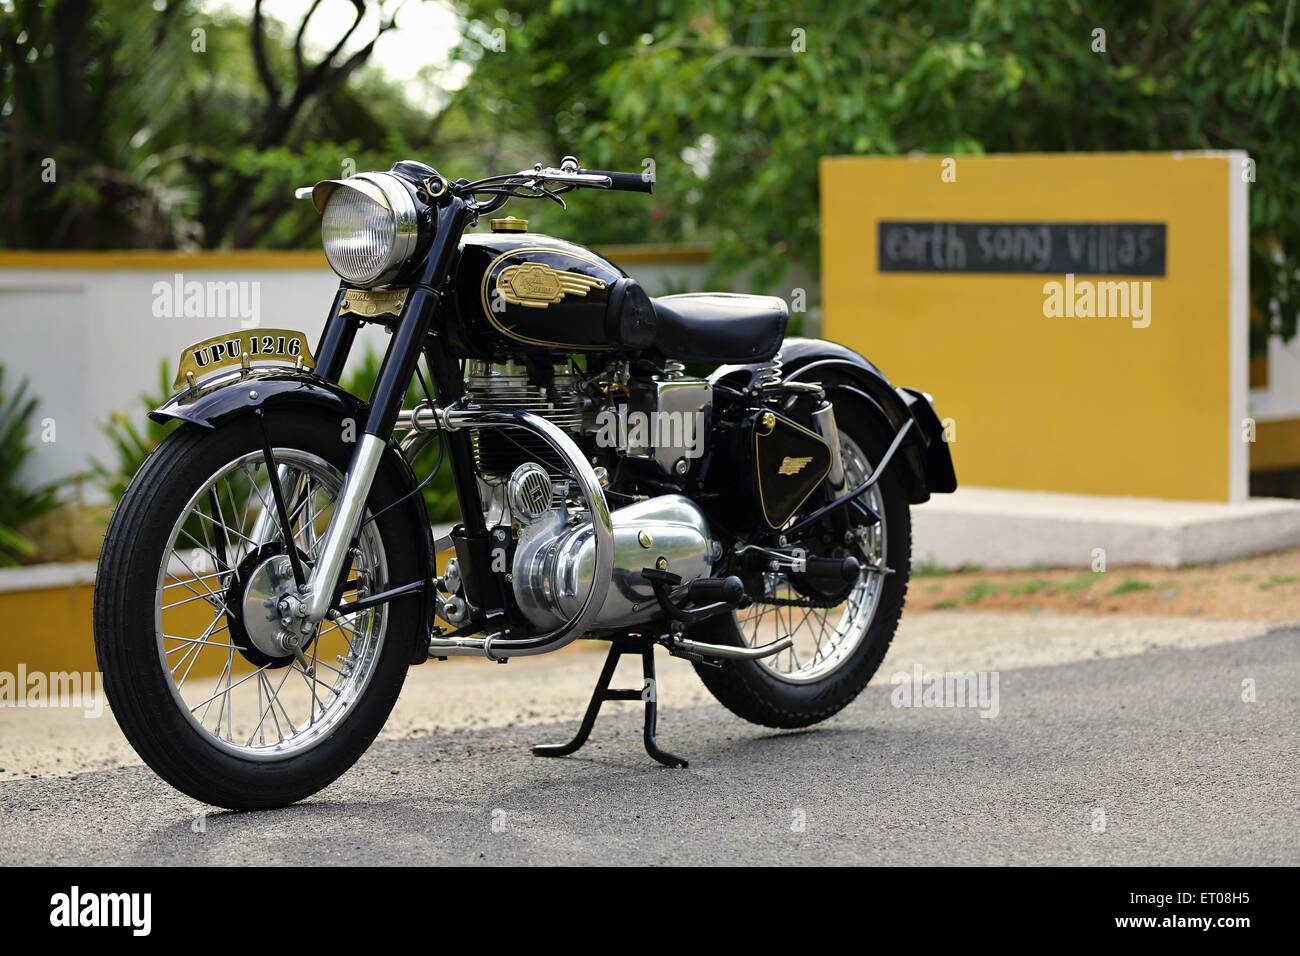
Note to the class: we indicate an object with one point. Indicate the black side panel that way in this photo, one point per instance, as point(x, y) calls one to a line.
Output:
point(928, 461)
point(790, 463)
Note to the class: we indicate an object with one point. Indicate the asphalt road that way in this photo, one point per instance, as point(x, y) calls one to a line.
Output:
point(1146, 759)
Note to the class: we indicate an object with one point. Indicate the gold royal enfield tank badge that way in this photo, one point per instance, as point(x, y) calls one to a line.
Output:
point(538, 286)
point(792, 466)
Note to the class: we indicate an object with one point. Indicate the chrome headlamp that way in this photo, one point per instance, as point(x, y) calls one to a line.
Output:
point(369, 226)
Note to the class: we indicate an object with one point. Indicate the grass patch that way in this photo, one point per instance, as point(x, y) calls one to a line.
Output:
point(1278, 580)
point(945, 605)
point(1130, 585)
point(1074, 585)
point(978, 592)
point(928, 569)
point(1030, 587)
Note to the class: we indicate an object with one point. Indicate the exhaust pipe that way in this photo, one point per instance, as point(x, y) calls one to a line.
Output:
point(733, 653)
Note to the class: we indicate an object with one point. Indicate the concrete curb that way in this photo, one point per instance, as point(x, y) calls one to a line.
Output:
point(42, 577)
point(994, 528)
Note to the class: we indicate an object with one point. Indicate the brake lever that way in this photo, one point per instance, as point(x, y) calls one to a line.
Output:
point(550, 174)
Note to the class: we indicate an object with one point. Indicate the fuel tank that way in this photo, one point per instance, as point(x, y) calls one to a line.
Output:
point(520, 292)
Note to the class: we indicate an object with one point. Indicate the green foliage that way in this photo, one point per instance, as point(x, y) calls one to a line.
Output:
point(1130, 586)
point(20, 502)
point(979, 591)
point(158, 144)
point(134, 439)
point(734, 101)
point(1277, 580)
point(440, 493)
point(736, 107)
point(1028, 588)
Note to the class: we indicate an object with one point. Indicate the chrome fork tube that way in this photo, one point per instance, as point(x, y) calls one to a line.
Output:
point(343, 525)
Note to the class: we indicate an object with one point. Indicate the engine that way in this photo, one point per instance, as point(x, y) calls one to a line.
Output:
point(552, 394)
point(657, 423)
point(657, 416)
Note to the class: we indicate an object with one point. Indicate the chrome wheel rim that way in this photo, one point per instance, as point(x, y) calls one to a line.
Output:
point(261, 711)
point(824, 638)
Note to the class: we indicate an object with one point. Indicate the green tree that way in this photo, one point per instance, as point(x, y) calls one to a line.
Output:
point(736, 100)
point(130, 124)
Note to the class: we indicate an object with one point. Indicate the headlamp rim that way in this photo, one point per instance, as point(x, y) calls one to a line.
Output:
point(388, 191)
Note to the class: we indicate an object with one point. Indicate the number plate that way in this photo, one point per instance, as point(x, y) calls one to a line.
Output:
point(241, 349)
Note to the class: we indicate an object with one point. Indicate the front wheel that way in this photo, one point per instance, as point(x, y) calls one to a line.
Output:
point(192, 647)
point(838, 645)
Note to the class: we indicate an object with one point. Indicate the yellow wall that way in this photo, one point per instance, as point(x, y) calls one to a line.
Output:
point(50, 629)
point(1055, 404)
point(47, 629)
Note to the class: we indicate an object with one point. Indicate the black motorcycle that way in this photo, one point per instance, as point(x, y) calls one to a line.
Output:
point(666, 471)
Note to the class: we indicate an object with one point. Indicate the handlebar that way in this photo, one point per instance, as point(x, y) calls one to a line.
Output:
point(536, 183)
point(570, 175)
point(625, 182)
point(547, 182)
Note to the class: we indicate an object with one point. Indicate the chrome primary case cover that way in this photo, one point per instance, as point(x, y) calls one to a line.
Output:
point(554, 564)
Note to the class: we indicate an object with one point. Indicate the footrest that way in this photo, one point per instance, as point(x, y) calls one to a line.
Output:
point(723, 594)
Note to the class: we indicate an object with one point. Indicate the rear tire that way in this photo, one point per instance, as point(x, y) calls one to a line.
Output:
point(750, 689)
point(140, 690)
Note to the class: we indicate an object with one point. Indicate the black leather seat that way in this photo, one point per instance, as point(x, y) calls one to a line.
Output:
point(719, 327)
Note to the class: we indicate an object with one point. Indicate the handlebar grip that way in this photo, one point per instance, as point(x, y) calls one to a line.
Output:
point(625, 182)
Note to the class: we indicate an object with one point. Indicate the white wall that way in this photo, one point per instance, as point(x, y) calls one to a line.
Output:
point(88, 339)
point(89, 343)
point(1280, 399)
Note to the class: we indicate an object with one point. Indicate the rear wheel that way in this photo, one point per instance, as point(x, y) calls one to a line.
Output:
point(838, 643)
point(188, 631)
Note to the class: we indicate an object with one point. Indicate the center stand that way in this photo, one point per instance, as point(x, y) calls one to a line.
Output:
point(648, 693)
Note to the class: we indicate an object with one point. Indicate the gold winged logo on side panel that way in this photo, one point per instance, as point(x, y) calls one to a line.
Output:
point(538, 286)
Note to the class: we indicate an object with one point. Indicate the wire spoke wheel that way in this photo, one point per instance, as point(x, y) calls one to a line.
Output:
point(221, 625)
point(824, 637)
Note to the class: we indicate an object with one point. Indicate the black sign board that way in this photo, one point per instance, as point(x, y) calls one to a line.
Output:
point(1023, 248)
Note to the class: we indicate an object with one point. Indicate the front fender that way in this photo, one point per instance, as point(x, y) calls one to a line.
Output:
point(210, 405)
point(926, 454)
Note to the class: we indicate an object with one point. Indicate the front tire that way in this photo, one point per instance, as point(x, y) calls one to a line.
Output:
point(793, 692)
point(179, 551)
